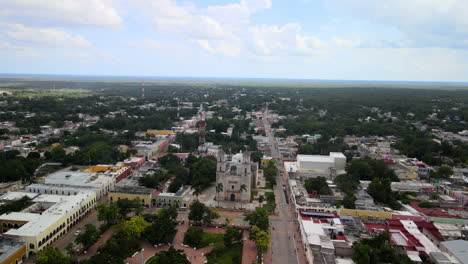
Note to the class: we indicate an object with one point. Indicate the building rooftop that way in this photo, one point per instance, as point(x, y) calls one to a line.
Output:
point(458, 248)
point(132, 190)
point(39, 222)
point(8, 247)
point(314, 158)
point(79, 178)
point(313, 232)
point(14, 196)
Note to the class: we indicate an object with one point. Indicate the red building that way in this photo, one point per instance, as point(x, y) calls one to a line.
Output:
point(135, 161)
point(122, 173)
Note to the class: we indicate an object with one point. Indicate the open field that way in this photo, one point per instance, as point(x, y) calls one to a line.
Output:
point(26, 80)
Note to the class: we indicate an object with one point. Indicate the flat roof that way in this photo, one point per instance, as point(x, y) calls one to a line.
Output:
point(458, 248)
point(314, 158)
point(37, 223)
point(9, 246)
point(77, 178)
point(14, 196)
point(313, 232)
point(290, 166)
point(132, 190)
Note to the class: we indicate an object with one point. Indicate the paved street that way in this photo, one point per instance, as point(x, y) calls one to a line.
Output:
point(286, 246)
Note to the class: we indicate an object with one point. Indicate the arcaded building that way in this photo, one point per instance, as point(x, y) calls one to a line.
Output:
point(232, 174)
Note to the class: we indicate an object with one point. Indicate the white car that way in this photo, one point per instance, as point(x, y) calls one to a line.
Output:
point(77, 232)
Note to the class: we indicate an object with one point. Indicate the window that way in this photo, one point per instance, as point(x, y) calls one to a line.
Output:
point(232, 187)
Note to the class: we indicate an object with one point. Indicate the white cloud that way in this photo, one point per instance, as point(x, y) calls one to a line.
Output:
point(60, 13)
point(256, 5)
point(45, 37)
point(346, 43)
point(205, 44)
point(425, 23)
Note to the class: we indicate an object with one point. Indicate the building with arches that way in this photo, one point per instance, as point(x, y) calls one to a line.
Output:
point(48, 218)
point(234, 173)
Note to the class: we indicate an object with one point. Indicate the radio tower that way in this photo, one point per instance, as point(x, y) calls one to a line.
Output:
point(201, 128)
point(143, 90)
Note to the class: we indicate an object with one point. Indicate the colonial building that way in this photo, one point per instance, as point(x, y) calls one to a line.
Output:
point(234, 173)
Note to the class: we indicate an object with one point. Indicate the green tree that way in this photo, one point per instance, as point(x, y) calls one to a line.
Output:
point(256, 156)
point(197, 191)
point(361, 254)
point(132, 228)
point(88, 237)
point(201, 213)
point(154, 180)
point(261, 239)
point(242, 188)
point(258, 218)
point(203, 172)
point(380, 189)
point(270, 173)
point(51, 255)
point(348, 201)
point(168, 160)
point(163, 228)
point(232, 236)
point(318, 184)
point(70, 249)
point(193, 237)
point(171, 256)
point(209, 216)
point(108, 213)
point(197, 210)
point(443, 172)
point(219, 188)
point(261, 198)
point(127, 206)
point(377, 250)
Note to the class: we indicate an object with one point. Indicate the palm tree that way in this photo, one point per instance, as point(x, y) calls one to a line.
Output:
point(219, 188)
point(261, 198)
point(197, 191)
point(243, 188)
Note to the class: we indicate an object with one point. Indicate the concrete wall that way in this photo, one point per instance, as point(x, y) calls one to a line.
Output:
point(144, 198)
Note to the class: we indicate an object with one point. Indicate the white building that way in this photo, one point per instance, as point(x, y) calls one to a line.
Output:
point(335, 160)
point(65, 180)
point(47, 219)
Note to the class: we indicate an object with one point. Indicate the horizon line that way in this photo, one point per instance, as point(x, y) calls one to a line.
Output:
point(227, 78)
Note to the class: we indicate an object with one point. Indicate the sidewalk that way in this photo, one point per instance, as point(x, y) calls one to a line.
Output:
point(94, 248)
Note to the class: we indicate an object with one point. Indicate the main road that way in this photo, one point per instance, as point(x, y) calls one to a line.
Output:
point(286, 245)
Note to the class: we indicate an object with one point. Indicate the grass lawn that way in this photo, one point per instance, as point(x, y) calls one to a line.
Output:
point(270, 205)
point(209, 238)
point(231, 255)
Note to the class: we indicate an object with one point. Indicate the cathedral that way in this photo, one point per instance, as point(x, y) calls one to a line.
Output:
point(232, 174)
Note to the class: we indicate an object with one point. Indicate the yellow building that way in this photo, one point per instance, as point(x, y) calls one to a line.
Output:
point(49, 218)
point(408, 176)
point(98, 168)
point(126, 192)
point(160, 132)
point(365, 213)
point(12, 251)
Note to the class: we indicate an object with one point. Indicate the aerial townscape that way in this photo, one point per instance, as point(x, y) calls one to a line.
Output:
point(233, 131)
point(173, 171)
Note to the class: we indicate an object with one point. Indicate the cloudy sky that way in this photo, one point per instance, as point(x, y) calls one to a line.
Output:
point(412, 40)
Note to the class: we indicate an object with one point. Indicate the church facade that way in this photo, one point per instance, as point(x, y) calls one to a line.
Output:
point(234, 173)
